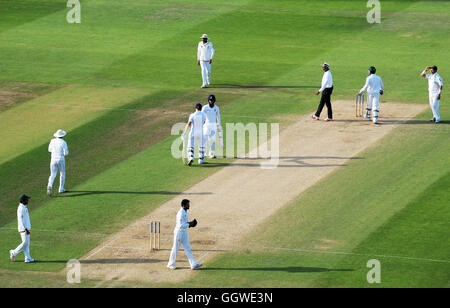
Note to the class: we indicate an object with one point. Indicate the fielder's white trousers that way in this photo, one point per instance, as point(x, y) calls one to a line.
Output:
point(55, 166)
point(24, 246)
point(200, 141)
point(209, 131)
point(181, 237)
point(373, 103)
point(206, 72)
point(434, 104)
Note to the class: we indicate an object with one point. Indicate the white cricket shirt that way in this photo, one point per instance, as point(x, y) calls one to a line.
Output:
point(58, 148)
point(23, 218)
point(327, 81)
point(205, 52)
point(373, 84)
point(182, 220)
point(212, 114)
point(435, 82)
point(197, 120)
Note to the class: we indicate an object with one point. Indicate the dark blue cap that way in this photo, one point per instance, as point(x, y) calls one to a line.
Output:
point(24, 197)
point(198, 106)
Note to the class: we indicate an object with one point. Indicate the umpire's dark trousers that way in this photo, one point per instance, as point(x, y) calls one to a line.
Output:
point(325, 100)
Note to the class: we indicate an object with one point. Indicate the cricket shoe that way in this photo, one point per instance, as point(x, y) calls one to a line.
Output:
point(212, 156)
point(30, 261)
point(196, 266)
point(11, 255)
point(49, 191)
point(203, 87)
point(62, 191)
point(433, 120)
point(172, 267)
point(315, 117)
point(328, 120)
point(190, 162)
point(201, 161)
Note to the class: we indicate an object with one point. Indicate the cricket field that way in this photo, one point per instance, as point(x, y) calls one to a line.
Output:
point(343, 195)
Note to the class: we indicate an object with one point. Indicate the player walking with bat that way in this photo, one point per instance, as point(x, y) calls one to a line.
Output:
point(196, 120)
point(181, 237)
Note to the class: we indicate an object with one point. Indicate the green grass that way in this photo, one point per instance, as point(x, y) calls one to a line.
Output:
point(119, 80)
point(393, 203)
point(69, 107)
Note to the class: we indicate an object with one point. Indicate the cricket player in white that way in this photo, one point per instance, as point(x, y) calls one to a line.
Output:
point(374, 87)
point(435, 84)
point(181, 237)
point(212, 124)
point(58, 148)
point(24, 227)
point(196, 120)
point(205, 54)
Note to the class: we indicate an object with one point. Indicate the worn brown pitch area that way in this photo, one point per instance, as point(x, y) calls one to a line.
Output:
point(231, 202)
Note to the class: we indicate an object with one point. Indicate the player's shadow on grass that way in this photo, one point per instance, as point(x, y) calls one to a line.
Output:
point(241, 86)
point(79, 193)
point(397, 121)
point(288, 269)
point(294, 162)
point(122, 261)
point(418, 122)
point(106, 261)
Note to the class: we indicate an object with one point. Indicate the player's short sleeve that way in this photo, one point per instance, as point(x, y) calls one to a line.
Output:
point(191, 117)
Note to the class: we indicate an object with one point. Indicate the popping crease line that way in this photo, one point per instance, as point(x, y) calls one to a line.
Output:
point(352, 254)
point(109, 245)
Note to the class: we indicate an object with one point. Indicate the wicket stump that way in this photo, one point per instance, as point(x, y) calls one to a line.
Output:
point(155, 235)
point(359, 105)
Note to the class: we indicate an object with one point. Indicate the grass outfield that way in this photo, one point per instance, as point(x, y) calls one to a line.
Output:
point(394, 212)
point(119, 80)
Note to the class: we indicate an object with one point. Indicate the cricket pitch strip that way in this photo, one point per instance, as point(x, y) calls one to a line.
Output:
point(241, 196)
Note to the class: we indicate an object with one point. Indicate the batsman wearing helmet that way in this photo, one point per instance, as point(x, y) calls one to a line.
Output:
point(196, 120)
point(212, 125)
point(374, 87)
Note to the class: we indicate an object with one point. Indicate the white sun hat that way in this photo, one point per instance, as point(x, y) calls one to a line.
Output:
point(326, 64)
point(59, 133)
point(204, 36)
